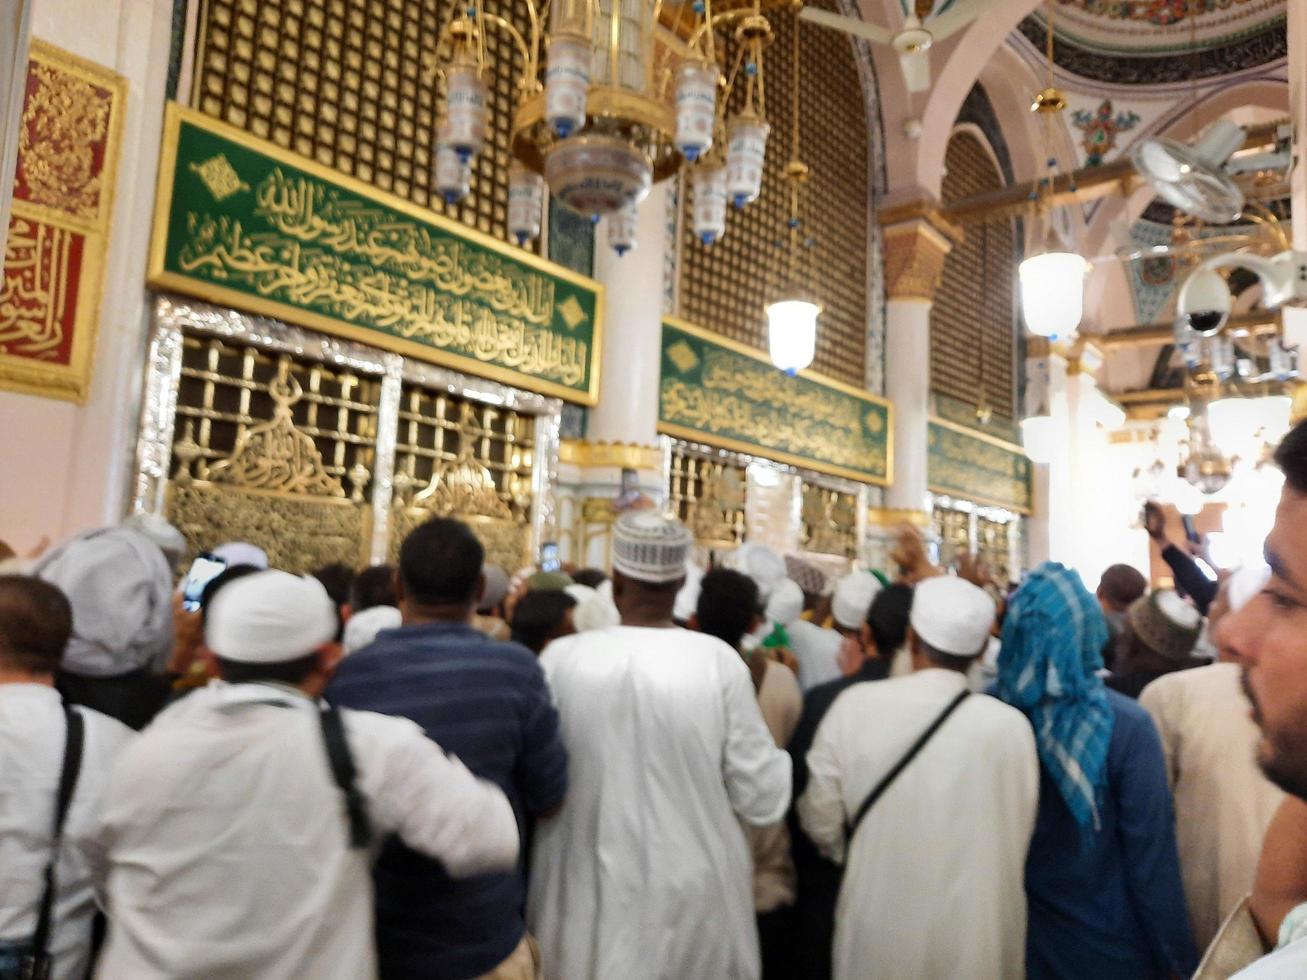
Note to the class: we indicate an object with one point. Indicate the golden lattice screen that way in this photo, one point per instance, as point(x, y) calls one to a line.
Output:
point(972, 330)
point(347, 83)
point(724, 287)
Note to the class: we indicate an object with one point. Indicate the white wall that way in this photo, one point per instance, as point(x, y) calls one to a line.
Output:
point(65, 467)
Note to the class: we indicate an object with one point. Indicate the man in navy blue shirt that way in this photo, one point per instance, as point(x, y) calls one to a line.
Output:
point(485, 702)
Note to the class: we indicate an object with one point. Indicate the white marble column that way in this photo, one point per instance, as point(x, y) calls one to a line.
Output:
point(622, 429)
point(15, 31)
point(907, 385)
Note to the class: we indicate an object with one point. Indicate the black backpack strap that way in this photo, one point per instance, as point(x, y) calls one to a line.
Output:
point(342, 770)
point(72, 765)
point(902, 764)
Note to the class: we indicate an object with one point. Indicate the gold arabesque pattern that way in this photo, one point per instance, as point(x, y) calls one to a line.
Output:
point(726, 286)
point(707, 495)
point(830, 521)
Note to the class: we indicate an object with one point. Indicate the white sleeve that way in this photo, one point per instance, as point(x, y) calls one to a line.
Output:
point(757, 773)
point(821, 808)
point(440, 809)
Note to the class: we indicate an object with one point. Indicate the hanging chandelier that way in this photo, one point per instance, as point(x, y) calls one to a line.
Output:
point(598, 121)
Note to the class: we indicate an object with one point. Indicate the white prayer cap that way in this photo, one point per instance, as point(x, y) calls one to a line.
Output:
point(649, 547)
point(364, 626)
point(852, 599)
point(157, 529)
point(269, 618)
point(242, 553)
point(786, 603)
point(764, 566)
point(1244, 584)
point(593, 611)
point(952, 616)
point(687, 600)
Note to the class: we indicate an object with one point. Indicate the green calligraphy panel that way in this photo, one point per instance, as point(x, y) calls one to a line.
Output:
point(726, 395)
point(246, 224)
point(974, 467)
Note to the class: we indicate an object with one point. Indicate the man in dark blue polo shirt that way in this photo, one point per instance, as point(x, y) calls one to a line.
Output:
point(483, 701)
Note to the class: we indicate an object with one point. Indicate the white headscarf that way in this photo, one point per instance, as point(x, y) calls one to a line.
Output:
point(364, 626)
point(120, 587)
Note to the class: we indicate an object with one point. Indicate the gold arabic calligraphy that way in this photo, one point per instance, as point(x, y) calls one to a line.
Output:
point(973, 467)
point(34, 293)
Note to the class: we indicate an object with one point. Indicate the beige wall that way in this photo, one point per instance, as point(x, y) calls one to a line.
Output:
point(65, 467)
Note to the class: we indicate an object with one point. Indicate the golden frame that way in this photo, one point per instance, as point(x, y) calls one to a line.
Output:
point(72, 381)
point(159, 278)
point(992, 440)
point(779, 456)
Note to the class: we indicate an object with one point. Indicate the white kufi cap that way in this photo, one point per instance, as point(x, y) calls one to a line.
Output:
point(786, 603)
point(952, 616)
point(242, 553)
point(651, 548)
point(852, 598)
point(364, 626)
point(594, 610)
point(764, 566)
point(269, 617)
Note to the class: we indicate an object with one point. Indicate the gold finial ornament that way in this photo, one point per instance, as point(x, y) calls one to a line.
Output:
point(1049, 100)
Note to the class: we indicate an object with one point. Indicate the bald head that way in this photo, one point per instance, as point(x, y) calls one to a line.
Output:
point(35, 623)
point(1119, 587)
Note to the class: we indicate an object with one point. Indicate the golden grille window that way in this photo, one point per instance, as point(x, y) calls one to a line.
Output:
point(725, 287)
point(830, 521)
point(708, 496)
point(227, 390)
point(440, 431)
point(348, 83)
point(994, 547)
point(953, 528)
point(972, 326)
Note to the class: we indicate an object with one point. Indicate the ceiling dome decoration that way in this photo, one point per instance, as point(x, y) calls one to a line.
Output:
point(1150, 42)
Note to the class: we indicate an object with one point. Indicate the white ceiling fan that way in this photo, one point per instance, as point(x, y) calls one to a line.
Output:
point(912, 41)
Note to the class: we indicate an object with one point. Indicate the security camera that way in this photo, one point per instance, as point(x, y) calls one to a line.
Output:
point(1205, 302)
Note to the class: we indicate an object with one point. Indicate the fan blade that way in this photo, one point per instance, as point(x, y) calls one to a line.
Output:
point(916, 70)
point(958, 16)
point(849, 25)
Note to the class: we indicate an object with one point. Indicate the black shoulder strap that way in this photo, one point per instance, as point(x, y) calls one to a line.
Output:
point(72, 765)
point(902, 764)
point(342, 769)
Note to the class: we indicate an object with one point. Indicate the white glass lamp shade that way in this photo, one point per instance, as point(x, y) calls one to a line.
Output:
point(453, 174)
point(526, 198)
point(622, 225)
point(1037, 438)
point(466, 112)
point(567, 80)
point(746, 149)
point(696, 108)
point(1053, 293)
point(792, 333)
point(597, 174)
point(709, 203)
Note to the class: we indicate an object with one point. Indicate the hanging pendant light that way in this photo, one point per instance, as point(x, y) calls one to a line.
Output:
point(622, 225)
point(1053, 293)
point(792, 319)
point(708, 183)
point(696, 108)
point(1037, 438)
point(792, 333)
point(526, 198)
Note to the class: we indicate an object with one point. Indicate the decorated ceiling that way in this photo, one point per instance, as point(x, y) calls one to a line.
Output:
point(1152, 42)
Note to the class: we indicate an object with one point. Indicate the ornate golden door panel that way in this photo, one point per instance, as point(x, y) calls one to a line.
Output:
point(319, 450)
point(830, 521)
point(706, 491)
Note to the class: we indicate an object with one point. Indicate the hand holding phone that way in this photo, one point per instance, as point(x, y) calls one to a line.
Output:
point(203, 570)
point(549, 557)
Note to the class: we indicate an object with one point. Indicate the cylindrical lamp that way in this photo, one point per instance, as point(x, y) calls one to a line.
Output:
point(1053, 293)
point(1037, 438)
point(792, 333)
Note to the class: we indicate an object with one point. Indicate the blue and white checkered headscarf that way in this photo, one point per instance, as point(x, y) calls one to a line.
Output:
point(1053, 637)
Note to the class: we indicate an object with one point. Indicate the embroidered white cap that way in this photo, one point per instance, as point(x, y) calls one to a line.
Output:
point(852, 599)
point(649, 547)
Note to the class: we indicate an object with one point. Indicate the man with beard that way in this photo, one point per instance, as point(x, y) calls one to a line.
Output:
point(1269, 637)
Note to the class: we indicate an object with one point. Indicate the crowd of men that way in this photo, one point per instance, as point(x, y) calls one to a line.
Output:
point(436, 770)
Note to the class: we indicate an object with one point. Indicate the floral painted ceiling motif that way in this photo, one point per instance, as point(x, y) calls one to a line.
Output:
point(1100, 128)
point(1162, 13)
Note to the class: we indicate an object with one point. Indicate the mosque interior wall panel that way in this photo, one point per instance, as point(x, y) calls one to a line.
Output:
point(726, 286)
point(972, 323)
point(348, 83)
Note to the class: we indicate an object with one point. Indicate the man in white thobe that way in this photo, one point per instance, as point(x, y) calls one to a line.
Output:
point(36, 621)
point(644, 874)
point(934, 881)
point(1223, 801)
point(233, 850)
